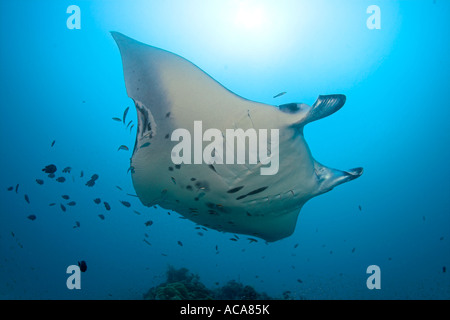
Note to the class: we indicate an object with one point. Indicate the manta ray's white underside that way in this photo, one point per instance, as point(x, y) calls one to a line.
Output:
point(170, 92)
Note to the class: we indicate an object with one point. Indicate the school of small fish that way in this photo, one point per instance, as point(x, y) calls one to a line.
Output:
point(66, 202)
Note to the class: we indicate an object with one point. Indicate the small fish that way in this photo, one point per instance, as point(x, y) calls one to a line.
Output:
point(444, 269)
point(129, 123)
point(65, 197)
point(353, 250)
point(233, 239)
point(27, 199)
point(180, 243)
point(280, 94)
point(137, 212)
point(17, 188)
point(81, 174)
point(126, 203)
point(296, 245)
point(71, 203)
point(63, 208)
point(52, 204)
point(82, 265)
point(101, 216)
point(200, 233)
point(94, 177)
point(217, 248)
point(299, 281)
point(125, 114)
point(117, 119)
point(123, 147)
point(40, 181)
point(51, 175)
point(51, 168)
point(131, 127)
point(97, 200)
point(67, 170)
point(53, 143)
point(119, 188)
point(360, 209)
point(252, 240)
point(77, 224)
point(61, 179)
point(107, 206)
point(32, 217)
point(148, 223)
point(147, 242)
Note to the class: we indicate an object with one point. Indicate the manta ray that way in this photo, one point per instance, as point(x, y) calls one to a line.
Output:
point(169, 93)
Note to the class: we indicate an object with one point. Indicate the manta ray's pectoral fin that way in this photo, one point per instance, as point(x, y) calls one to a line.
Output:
point(323, 107)
point(329, 178)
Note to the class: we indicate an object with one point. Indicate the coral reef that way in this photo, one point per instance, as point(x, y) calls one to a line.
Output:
point(184, 285)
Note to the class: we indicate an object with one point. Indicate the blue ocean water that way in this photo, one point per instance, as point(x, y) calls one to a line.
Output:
point(65, 85)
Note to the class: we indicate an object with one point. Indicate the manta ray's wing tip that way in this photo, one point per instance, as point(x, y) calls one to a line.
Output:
point(354, 173)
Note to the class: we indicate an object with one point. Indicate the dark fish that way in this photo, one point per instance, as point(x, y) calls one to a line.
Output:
point(61, 179)
point(148, 223)
point(81, 174)
point(97, 200)
point(10, 188)
point(296, 245)
point(147, 242)
point(126, 204)
point(217, 247)
point(119, 188)
point(353, 250)
point(180, 243)
point(279, 95)
point(200, 233)
point(32, 217)
point(63, 208)
point(17, 188)
point(65, 197)
point(123, 147)
point(101, 216)
point(252, 240)
point(360, 209)
point(125, 114)
point(26, 198)
point(82, 265)
point(137, 212)
point(67, 169)
point(52, 204)
point(51, 168)
point(132, 195)
point(233, 239)
point(90, 183)
point(299, 281)
point(53, 143)
point(131, 127)
point(129, 123)
point(77, 224)
point(444, 269)
point(107, 206)
point(117, 119)
point(40, 181)
point(51, 175)
point(71, 203)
